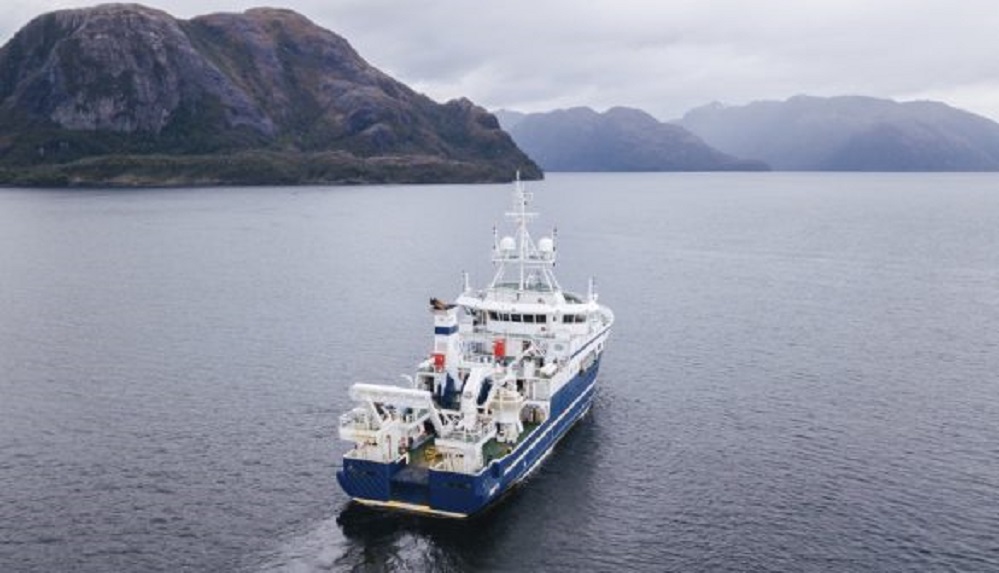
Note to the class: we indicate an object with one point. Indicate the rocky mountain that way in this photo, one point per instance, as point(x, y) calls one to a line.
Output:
point(620, 139)
point(125, 94)
point(851, 133)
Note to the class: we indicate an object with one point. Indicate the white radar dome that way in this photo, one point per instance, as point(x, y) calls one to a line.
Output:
point(507, 244)
point(546, 245)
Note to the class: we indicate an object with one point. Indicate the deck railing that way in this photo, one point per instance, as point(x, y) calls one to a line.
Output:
point(358, 419)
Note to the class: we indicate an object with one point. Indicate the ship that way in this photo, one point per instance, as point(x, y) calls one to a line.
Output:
point(512, 368)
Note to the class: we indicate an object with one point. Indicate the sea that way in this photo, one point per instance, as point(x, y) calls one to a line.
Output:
point(803, 375)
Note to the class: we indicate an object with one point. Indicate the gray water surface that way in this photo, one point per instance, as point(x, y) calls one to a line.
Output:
point(802, 376)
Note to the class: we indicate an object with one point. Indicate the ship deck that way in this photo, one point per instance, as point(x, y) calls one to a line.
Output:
point(425, 454)
point(494, 450)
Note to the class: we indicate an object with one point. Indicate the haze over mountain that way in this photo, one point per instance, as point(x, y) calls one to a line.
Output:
point(125, 94)
point(850, 133)
point(620, 139)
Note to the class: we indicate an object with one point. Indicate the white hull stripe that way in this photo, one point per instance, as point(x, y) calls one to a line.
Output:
point(545, 455)
point(552, 426)
point(600, 336)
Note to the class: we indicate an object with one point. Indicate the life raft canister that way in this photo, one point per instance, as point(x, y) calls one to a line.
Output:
point(499, 348)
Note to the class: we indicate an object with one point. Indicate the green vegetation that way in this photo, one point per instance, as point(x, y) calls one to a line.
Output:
point(246, 168)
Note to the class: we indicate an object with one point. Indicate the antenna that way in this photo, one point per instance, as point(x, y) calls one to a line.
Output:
point(517, 254)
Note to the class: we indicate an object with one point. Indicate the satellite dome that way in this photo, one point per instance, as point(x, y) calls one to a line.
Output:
point(508, 244)
point(546, 245)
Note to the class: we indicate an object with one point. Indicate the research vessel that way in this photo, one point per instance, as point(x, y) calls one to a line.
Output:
point(513, 366)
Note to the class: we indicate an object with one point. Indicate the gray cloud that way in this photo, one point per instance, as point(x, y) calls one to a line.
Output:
point(664, 57)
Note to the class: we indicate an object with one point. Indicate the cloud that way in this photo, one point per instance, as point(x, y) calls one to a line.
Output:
point(664, 57)
point(668, 57)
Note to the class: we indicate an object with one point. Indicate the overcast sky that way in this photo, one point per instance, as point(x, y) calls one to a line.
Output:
point(663, 56)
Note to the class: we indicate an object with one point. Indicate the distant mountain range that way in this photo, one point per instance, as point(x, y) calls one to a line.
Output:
point(620, 139)
point(128, 95)
point(850, 134)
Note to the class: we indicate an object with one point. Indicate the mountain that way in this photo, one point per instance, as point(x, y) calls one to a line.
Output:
point(851, 133)
point(620, 139)
point(509, 118)
point(125, 94)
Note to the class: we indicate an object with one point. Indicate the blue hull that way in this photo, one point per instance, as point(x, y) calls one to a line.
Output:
point(453, 494)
